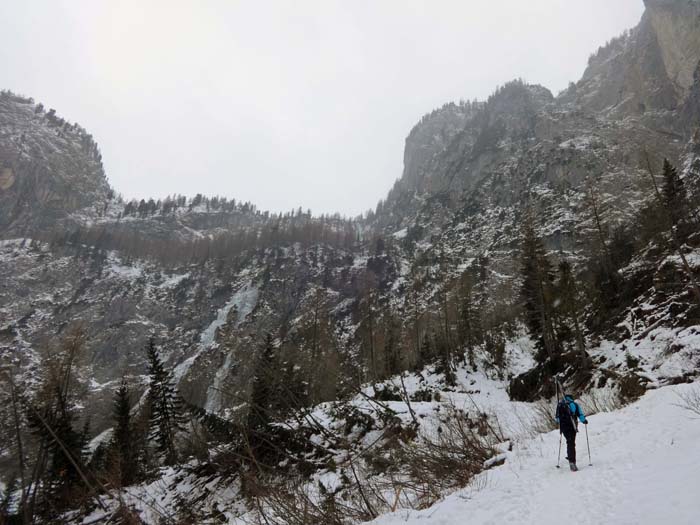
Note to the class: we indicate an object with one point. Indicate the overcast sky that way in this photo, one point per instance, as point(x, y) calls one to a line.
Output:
point(283, 103)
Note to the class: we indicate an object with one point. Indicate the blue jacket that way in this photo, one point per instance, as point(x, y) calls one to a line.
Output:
point(575, 410)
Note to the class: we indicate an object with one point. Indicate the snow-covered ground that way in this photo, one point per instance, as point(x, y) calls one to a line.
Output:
point(646, 470)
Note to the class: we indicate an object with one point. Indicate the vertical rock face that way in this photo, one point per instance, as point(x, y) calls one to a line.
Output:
point(690, 113)
point(627, 76)
point(48, 167)
point(677, 28)
point(454, 149)
point(651, 67)
point(429, 137)
point(640, 92)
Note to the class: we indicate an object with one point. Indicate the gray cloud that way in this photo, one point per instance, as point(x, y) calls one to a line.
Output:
point(283, 103)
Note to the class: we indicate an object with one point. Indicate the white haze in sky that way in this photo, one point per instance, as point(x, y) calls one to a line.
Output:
point(283, 103)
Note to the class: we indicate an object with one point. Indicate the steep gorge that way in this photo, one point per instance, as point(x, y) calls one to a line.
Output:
point(471, 172)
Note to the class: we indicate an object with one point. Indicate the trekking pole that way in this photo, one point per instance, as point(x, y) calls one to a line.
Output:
point(559, 456)
point(590, 463)
point(556, 387)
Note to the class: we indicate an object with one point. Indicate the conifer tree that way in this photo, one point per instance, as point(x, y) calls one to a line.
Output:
point(123, 442)
point(425, 354)
point(391, 350)
point(296, 389)
point(165, 406)
point(568, 303)
point(445, 342)
point(536, 290)
point(262, 393)
point(469, 329)
point(446, 366)
point(219, 428)
point(673, 194)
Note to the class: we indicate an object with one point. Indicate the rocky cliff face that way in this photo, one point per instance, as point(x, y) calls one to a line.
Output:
point(471, 172)
point(652, 67)
point(432, 135)
point(676, 25)
point(48, 167)
point(638, 96)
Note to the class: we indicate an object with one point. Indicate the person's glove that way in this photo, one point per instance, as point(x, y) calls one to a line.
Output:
point(585, 421)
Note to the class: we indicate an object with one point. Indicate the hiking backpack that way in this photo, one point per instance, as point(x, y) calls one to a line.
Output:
point(566, 417)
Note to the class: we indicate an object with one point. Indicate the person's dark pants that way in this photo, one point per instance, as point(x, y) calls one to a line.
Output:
point(570, 435)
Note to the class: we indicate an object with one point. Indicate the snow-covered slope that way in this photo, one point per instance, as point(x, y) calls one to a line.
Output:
point(646, 469)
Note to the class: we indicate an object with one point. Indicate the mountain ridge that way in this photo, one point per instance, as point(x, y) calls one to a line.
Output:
point(472, 173)
point(432, 288)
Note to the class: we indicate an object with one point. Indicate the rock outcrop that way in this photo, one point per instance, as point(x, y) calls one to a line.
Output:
point(48, 167)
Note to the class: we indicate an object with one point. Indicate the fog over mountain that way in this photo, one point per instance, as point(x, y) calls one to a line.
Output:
point(283, 104)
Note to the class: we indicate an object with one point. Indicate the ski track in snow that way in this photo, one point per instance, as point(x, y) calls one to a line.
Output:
point(646, 470)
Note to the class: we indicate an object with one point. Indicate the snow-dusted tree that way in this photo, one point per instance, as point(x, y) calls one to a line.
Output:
point(673, 194)
point(262, 393)
point(124, 446)
point(537, 290)
point(568, 305)
point(469, 327)
point(367, 329)
point(165, 406)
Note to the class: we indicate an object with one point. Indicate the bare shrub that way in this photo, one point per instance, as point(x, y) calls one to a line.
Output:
point(597, 401)
point(542, 418)
point(450, 457)
point(690, 400)
point(298, 503)
point(422, 468)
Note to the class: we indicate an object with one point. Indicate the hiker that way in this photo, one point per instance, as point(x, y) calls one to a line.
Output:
point(568, 415)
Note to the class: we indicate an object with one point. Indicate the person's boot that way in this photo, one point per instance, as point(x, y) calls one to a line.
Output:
point(573, 466)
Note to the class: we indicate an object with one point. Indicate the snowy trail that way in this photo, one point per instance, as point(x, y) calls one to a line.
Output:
point(646, 470)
